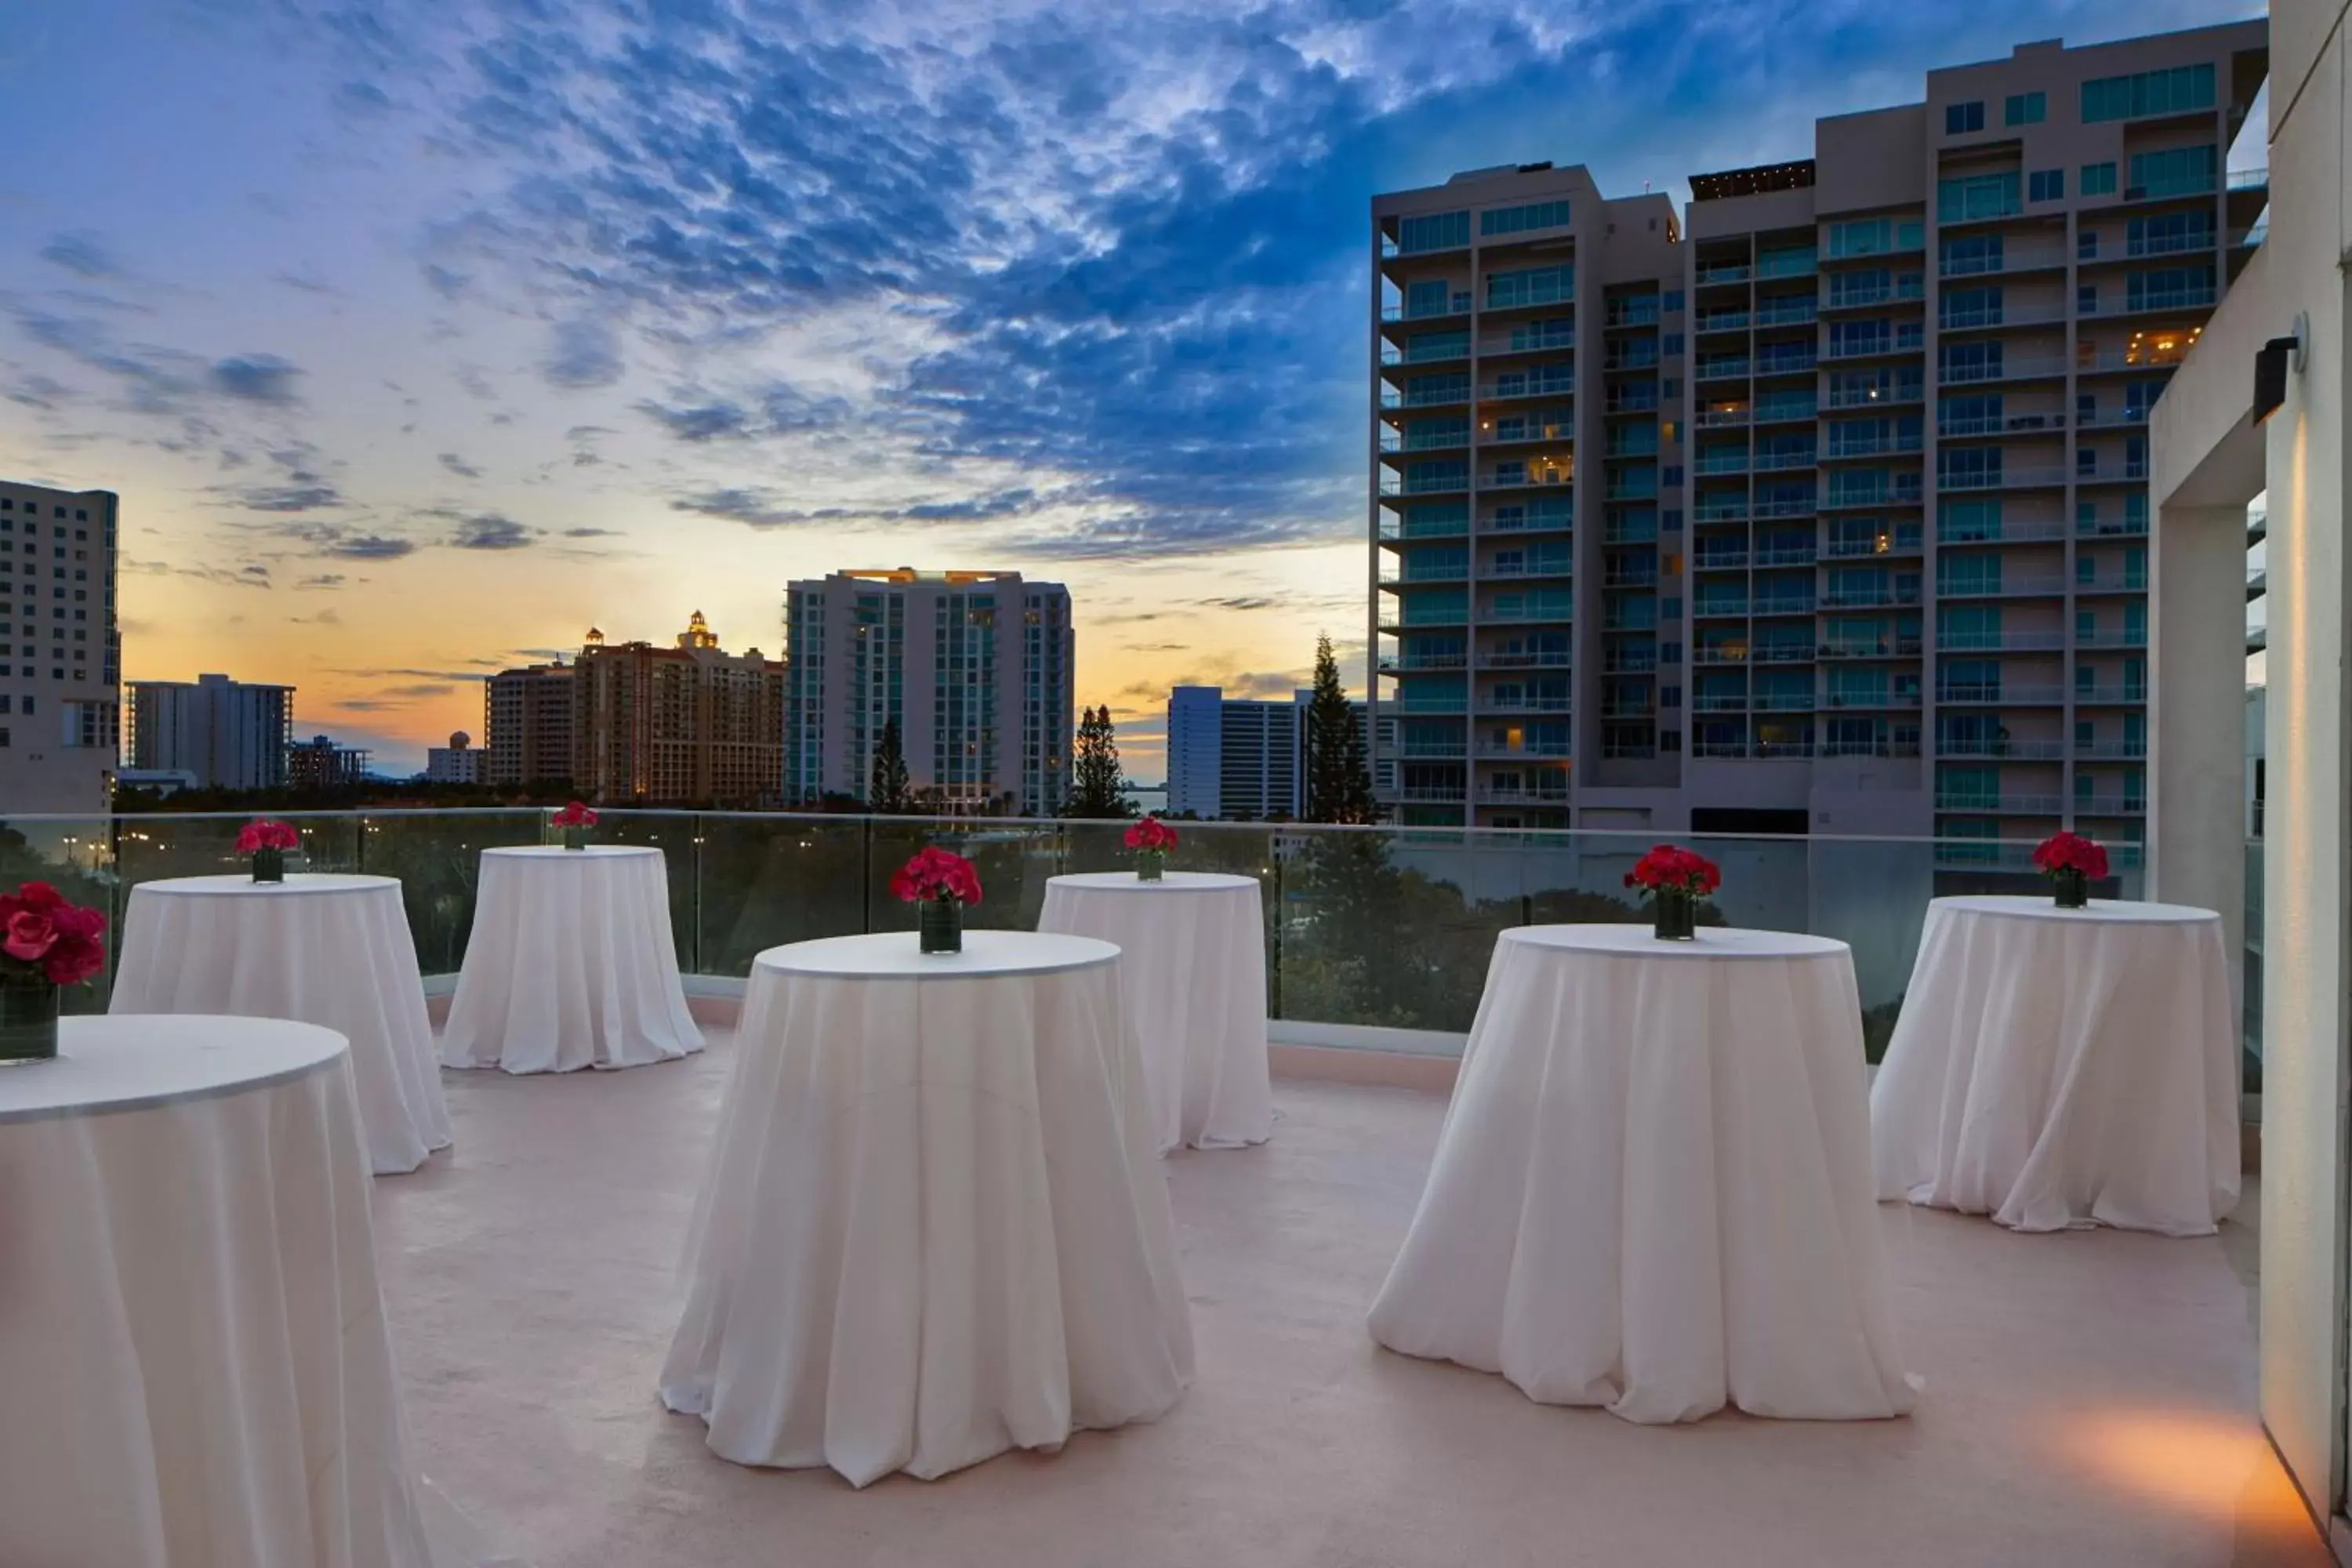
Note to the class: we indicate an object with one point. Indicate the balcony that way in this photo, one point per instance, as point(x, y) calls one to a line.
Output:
point(2012, 367)
point(2053, 422)
point(1721, 369)
point(1724, 510)
point(1724, 654)
point(2002, 805)
point(1868, 549)
point(1868, 700)
point(2112, 637)
point(2109, 805)
point(1721, 418)
point(1721, 321)
point(2001, 750)
point(1414, 574)
point(2000, 642)
point(2008, 585)
point(1876, 396)
point(2007, 477)
point(2001, 693)
point(2110, 750)
point(2110, 696)
point(1392, 663)
point(1787, 555)
point(1414, 528)
point(1557, 658)
point(1542, 566)
point(1885, 748)
point(2009, 259)
point(1787, 364)
point(1504, 389)
point(1298, 1444)
point(1732, 272)
point(1797, 313)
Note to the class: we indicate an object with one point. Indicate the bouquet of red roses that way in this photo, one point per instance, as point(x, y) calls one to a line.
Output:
point(255, 836)
point(42, 934)
point(1668, 869)
point(2066, 852)
point(937, 875)
point(1152, 834)
point(578, 814)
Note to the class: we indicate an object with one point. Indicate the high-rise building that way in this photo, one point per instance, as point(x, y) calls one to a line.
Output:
point(321, 762)
point(1899, 582)
point(527, 725)
point(61, 654)
point(227, 734)
point(459, 762)
point(1240, 759)
point(975, 668)
point(688, 723)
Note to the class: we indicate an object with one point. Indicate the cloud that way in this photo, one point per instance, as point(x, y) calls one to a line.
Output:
point(697, 422)
point(322, 580)
point(460, 467)
point(590, 532)
point(490, 530)
point(583, 354)
point(364, 546)
point(1241, 601)
point(289, 497)
point(259, 378)
point(81, 255)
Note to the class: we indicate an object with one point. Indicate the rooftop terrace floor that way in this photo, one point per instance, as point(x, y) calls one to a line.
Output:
point(2089, 1396)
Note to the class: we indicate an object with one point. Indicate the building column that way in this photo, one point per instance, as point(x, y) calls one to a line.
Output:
point(2197, 685)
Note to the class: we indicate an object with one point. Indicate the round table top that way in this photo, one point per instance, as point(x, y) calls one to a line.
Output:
point(1627, 940)
point(558, 852)
point(1173, 882)
point(244, 886)
point(137, 1061)
point(2100, 911)
point(895, 955)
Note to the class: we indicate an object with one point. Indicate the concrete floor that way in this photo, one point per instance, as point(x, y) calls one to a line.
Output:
point(2088, 1396)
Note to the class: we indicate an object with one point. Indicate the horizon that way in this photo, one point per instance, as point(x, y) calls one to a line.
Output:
point(417, 344)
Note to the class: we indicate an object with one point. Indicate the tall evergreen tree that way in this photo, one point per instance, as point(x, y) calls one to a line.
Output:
point(887, 790)
point(1096, 787)
point(1339, 777)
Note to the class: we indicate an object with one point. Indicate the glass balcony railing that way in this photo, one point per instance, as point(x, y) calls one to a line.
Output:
point(744, 882)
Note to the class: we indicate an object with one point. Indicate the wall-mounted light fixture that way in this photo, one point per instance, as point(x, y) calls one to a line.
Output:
point(2271, 366)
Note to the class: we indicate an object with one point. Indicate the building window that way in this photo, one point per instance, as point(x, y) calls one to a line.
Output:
point(2025, 109)
point(2098, 179)
point(1518, 220)
point(2183, 89)
point(2046, 185)
point(1977, 196)
point(1960, 119)
point(2086, 299)
point(1439, 231)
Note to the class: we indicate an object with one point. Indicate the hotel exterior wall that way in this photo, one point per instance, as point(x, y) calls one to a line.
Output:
point(2304, 1252)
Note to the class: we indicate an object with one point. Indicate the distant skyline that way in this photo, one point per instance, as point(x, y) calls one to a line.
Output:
point(418, 339)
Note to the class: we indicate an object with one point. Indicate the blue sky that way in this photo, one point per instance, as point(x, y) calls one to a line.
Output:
point(420, 336)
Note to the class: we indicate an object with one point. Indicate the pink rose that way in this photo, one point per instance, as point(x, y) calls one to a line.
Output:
point(30, 935)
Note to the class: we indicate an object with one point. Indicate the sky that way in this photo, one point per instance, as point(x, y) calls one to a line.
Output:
point(419, 336)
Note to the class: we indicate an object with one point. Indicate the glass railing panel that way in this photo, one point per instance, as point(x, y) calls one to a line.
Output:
point(766, 879)
point(76, 856)
point(676, 834)
point(436, 856)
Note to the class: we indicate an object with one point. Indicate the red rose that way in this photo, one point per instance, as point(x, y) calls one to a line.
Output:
point(40, 895)
point(73, 960)
point(30, 935)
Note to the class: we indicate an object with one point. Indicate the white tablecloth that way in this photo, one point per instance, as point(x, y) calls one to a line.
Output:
point(570, 965)
point(1653, 1191)
point(191, 1343)
point(935, 1226)
point(327, 950)
point(1193, 973)
point(2055, 1067)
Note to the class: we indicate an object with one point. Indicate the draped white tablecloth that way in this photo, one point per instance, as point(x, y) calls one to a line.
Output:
point(1652, 1189)
point(935, 1226)
point(2058, 1067)
point(194, 1368)
point(1193, 970)
point(570, 965)
point(317, 949)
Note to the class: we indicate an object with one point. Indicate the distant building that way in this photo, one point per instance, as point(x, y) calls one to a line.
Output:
point(162, 783)
point(527, 725)
point(686, 723)
point(60, 656)
point(459, 762)
point(1237, 759)
point(976, 667)
point(229, 734)
point(319, 763)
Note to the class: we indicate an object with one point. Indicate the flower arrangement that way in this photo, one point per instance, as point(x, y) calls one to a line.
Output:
point(45, 942)
point(2073, 863)
point(265, 843)
point(1150, 840)
point(1675, 880)
point(574, 822)
point(941, 883)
